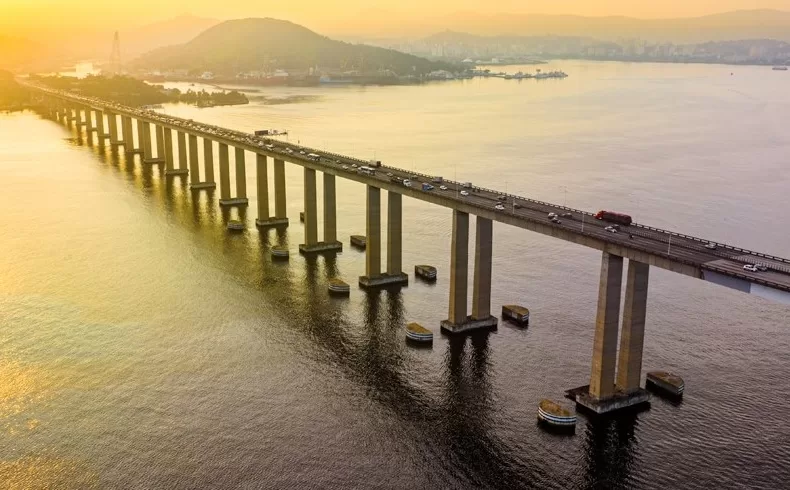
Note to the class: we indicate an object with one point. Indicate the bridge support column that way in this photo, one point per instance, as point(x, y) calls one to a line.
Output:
point(208, 164)
point(312, 245)
point(481, 286)
point(373, 277)
point(128, 135)
point(632, 335)
point(194, 162)
point(78, 118)
point(181, 138)
point(140, 146)
point(112, 127)
point(241, 177)
point(395, 237)
point(88, 122)
point(145, 141)
point(160, 143)
point(280, 209)
point(170, 160)
point(459, 271)
point(224, 173)
point(330, 211)
point(601, 396)
point(101, 134)
point(264, 220)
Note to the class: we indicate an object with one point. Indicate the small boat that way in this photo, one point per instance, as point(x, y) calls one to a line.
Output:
point(280, 253)
point(555, 414)
point(417, 333)
point(339, 287)
point(427, 272)
point(779, 68)
point(668, 383)
point(235, 225)
point(515, 313)
point(359, 241)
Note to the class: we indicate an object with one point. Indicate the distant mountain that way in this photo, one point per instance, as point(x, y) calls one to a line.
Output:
point(178, 30)
point(254, 44)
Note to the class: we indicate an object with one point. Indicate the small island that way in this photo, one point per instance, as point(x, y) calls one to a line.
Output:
point(136, 93)
point(13, 97)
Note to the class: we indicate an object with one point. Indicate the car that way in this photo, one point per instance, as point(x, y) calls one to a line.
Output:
point(517, 205)
point(750, 267)
point(566, 215)
point(407, 183)
point(501, 198)
point(353, 165)
point(389, 174)
point(464, 193)
point(552, 215)
point(499, 207)
point(611, 229)
point(345, 167)
point(288, 150)
point(556, 220)
point(616, 227)
point(301, 152)
point(761, 267)
point(442, 187)
point(710, 246)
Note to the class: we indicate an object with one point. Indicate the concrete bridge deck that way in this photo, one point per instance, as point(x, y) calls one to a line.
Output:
point(661, 248)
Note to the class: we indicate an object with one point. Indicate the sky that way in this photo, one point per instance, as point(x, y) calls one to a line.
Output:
point(17, 16)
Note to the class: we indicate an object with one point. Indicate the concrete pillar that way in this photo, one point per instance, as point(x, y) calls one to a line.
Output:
point(208, 161)
point(160, 143)
point(140, 146)
point(88, 121)
point(459, 267)
point(241, 174)
point(481, 292)
point(182, 151)
point(279, 190)
point(100, 131)
point(373, 232)
point(78, 117)
point(606, 322)
point(310, 208)
point(330, 209)
point(145, 141)
point(262, 179)
point(112, 128)
point(169, 160)
point(224, 173)
point(128, 136)
point(632, 334)
point(194, 162)
point(394, 233)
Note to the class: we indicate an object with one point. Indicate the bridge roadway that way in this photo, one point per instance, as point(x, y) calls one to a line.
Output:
point(661, 248)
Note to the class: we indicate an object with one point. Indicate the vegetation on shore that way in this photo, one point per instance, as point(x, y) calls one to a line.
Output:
point(135, 93)
point(12, 95)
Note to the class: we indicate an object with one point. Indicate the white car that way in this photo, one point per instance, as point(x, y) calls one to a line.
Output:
point(464, 193)
point(499, 207)
point(442, 187)
point(345, 167)
point(552, 215)
point(353, 165)
point(611, 229)
point(710, 246)
point(750, 268)
point(301, 152)
point(407, 183)
point(389, 174)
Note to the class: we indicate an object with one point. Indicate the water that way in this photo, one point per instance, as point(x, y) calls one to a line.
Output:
point(142, 346)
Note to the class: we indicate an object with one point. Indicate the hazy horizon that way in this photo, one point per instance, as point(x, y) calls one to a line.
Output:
point(21, 17)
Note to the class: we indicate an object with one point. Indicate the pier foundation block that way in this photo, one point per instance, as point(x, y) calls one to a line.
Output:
point(320, 247)
point(384, 281)
point(471, 324)
point(272, 222)
point(638, 399)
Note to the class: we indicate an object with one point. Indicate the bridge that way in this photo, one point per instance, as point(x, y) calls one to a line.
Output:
point(616, 370)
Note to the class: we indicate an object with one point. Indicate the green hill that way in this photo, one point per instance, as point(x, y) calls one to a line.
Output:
point(262, 44)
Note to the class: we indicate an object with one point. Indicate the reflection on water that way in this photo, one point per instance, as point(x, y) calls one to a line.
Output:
point(142, 342)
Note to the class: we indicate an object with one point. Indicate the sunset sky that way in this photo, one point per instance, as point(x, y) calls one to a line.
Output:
point(21, 15)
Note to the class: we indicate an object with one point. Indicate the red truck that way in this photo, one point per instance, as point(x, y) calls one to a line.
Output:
point(619, 218)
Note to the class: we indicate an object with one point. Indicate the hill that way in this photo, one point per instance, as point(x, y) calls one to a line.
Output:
point(255, 44)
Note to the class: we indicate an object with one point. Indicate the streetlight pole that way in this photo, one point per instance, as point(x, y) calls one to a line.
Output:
point(669, 245)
